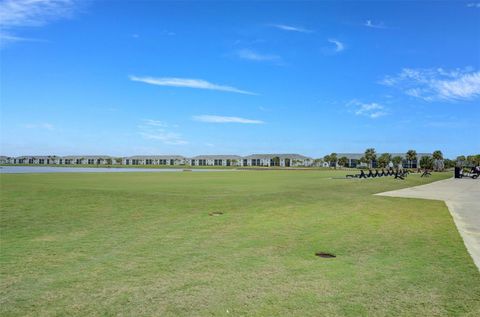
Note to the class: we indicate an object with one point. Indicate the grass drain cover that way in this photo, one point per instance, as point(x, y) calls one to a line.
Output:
point(325, 255)
point(216, 213)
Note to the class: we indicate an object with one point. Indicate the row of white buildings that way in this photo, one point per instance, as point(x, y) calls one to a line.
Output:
point(281, 160)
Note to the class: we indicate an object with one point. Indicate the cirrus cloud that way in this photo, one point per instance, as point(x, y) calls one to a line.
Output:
point(291, 28)
point(15, 14)
point(339, 46)
point(371, 110)
point(188, 83)
point(437, 84)
point(157, 130)
point(258, 57)
point(224, 119)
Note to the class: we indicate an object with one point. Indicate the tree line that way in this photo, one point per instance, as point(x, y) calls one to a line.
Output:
point(435, 161)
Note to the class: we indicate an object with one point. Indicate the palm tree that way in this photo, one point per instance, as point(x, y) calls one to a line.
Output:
point(343, 161)
point(476, 159)
point(437, 155)
point(438, 160)
point(334, 159)
point(276, 161)
point(370, 156)
point(426, 162)
point(326, 158)
point(396, 160)
point(411, 156)
point(384, 159)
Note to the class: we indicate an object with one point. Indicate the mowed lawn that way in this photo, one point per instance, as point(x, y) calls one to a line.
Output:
point(143, 244)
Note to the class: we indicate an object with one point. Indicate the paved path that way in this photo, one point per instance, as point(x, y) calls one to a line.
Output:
point(462, 197)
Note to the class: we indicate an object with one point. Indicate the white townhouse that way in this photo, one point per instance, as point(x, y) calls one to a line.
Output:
point(216, 160)
point(282, 160)
point(154, 160)
point(87, 160)
point(5, 159)
point(44, 160)
point(25, 159)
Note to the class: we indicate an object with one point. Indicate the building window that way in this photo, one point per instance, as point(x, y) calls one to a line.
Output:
point(30, 161)
point(218, 162)
point(245, 162)
point(256, 162)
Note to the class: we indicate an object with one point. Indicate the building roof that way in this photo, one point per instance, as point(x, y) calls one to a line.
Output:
point(217, 157)
point(101, 157)
point(155, 157)
point(281, 156)
point(37, 157)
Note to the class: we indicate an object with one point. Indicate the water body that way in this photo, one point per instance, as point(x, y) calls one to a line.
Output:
point(50, 169)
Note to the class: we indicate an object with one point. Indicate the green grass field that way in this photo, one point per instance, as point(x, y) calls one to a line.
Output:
point(143, 244)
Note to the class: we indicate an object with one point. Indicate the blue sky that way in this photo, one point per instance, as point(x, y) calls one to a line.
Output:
point(146, 77)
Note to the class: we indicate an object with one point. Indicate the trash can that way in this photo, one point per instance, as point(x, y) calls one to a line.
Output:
point(457, 172)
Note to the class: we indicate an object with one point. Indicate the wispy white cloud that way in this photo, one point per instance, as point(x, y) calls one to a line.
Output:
point(339, 46)
point(373, 25)
point(372, 110)
point(291, 28)
point(254, 56)
point(15, 14)
point(165, 137)
point(188, 83)
point(473, 5)
point(224, 119)
point(155, 123)
point(168, 33)
point(437, 84)
point(45, 126)
point(157, 130)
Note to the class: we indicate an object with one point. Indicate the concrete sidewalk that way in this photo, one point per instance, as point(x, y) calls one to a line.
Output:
point(462, 197)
